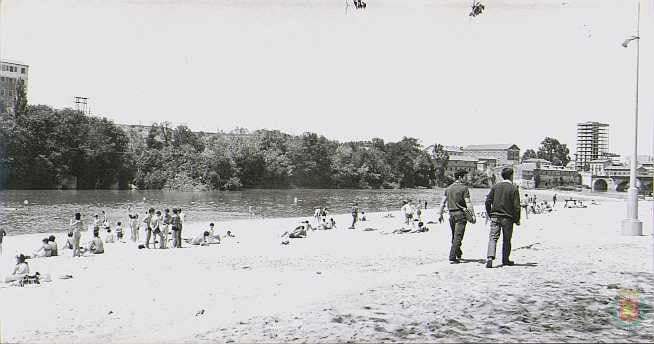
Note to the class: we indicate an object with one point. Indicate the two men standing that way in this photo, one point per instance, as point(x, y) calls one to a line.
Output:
point(502, 206)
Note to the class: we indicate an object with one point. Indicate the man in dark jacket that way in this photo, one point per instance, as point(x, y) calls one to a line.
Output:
point(503, 207)
point(457, 201)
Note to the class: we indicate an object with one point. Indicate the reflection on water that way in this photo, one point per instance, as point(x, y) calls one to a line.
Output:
point(50, 210)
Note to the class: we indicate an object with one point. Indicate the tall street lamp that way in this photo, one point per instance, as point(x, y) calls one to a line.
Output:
point(632, 225)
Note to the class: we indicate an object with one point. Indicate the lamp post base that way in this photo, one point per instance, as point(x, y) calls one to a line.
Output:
point(632, 227)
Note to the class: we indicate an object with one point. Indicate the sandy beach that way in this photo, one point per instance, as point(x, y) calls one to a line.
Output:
point(342, 285)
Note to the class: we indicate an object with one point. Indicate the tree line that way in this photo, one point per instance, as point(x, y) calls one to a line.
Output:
point(46, 148)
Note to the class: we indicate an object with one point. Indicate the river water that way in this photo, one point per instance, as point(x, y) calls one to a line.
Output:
point(50, 210)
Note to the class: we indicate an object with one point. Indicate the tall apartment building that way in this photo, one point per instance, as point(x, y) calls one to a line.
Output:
point(592, 143)
point(12, 74)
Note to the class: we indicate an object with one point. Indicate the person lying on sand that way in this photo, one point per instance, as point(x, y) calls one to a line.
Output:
point(421, 228)
point(298, 233)
point(402, 230)
point(21, 270)
point(202, 240)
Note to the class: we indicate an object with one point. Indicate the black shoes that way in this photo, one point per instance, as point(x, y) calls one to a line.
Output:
point(454, 261)
point(508, 263)
point(489, 263)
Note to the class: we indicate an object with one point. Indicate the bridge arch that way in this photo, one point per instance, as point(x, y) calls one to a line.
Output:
point(600, 185)
point(622, 186)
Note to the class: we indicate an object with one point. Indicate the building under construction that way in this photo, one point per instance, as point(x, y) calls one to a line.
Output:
point(592, 143)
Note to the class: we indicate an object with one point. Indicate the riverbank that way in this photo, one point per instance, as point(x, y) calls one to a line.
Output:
point(342, 285)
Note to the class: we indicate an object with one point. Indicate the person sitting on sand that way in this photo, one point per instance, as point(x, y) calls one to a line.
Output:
point(363, 216)
point(110, 237)
point(44, 251)
point(230, 234)
point(96, 246)
point(69, 242)
point(216, 236)
point(21, 270)
point(331, 224)
point(53, 246)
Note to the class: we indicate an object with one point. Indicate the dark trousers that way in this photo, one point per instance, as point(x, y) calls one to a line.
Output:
point(505, 226)
point(178, 234)
point(148, 235)
point(458, 227)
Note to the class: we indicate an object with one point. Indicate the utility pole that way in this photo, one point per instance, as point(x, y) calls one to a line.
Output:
point(81, 104)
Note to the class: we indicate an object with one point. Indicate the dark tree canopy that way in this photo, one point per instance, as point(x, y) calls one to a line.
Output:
point(552, 150)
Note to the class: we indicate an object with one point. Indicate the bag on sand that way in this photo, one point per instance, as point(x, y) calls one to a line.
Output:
point(470, 216)
point(30, 279)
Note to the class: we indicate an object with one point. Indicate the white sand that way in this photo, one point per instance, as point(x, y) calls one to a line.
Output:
point(342, 285)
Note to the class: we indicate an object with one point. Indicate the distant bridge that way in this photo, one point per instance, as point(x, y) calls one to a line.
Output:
point(621, 183)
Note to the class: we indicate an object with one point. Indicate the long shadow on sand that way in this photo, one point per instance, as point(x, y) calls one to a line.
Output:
point(531, 265)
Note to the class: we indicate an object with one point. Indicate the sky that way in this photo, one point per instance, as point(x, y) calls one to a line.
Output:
point(521, 71)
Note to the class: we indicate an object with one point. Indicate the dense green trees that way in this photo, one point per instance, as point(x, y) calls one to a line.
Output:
point(45, 148)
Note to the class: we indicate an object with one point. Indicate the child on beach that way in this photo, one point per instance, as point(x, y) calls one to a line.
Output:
point(69, 242)
point(110, 237)
point(119, 231)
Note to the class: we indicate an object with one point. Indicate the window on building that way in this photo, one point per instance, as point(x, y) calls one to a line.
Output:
point(22, 70)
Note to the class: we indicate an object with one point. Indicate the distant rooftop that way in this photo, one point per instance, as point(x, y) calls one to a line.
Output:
point(463, 158)
point(501, 146)
point(593, 123)
point(537, 160)
point(14, 62)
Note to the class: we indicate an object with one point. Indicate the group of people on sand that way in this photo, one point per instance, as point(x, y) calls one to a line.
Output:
point(158, 226)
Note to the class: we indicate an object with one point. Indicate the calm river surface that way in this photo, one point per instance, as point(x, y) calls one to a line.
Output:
point(50, 210)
